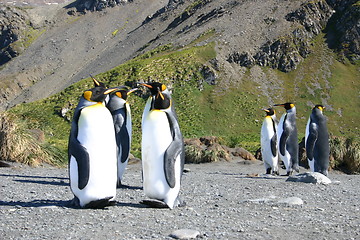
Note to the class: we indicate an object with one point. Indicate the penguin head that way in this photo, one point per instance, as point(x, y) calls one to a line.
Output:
point(160, 95)
point(97, 83)
point(269, 112)
point(97, 94)
point(288, 106)
point(119, 97)
point(320, 107)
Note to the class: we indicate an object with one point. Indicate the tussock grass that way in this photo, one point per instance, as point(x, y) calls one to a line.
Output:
point(345, 154)
point(18, 144)
point(194, 154)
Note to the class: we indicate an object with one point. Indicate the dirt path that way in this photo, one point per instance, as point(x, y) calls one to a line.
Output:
point(223, 202)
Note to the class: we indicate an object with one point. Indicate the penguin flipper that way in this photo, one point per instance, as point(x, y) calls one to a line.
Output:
point(175, 148)
point(81, 156)
point(79, 152)
point(273, 145)
point(123, 141)
point(311, 139)
point(284, 136)
point(170, 156)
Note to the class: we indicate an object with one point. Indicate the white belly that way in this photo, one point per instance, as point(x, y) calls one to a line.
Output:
point(156, 137)
point(267, 133)
point(96, 134)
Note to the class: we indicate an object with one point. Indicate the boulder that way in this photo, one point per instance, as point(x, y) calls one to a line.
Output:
point(310, 177)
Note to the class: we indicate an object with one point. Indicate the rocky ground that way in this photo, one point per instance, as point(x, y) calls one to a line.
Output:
point(225, 200)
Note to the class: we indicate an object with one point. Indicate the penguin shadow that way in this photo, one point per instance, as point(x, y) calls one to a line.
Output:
point(224, 174)
point(250, 176)
point(131, 205)
point(123, 186)
point(262, 176)
point(43, 203)
point(54, 181)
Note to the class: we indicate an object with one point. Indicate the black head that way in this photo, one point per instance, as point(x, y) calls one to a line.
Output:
point(155, 87)
point(97, 94)
point(97, 83)
point(287, 105)
point(269, 112)
point(160, 94)
point(320, 107)
point(122, 93)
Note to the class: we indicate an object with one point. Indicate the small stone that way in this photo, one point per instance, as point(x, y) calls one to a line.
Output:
point(185, 234)
point(292, 201)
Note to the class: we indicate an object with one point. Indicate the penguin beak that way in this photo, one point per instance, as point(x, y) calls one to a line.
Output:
point(132, 90)
point(96, 82)
point(110, 90)
point(265, 110)
point(146, 85)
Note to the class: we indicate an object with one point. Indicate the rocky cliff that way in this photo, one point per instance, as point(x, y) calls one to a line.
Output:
point(13, 25)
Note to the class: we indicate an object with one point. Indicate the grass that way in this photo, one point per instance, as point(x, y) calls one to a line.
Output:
point(345, 154)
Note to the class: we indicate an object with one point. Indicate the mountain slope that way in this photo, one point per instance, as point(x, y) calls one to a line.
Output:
point(223, 60)
point(75, 46)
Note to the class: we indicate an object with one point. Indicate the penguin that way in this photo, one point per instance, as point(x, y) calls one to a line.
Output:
point(92, 151)
point(317, 141)
point(268, 137)
point(287, 138)
point(121, 113)
point(162, 147)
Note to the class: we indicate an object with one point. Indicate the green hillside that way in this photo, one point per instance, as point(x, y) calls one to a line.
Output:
point(231, 109)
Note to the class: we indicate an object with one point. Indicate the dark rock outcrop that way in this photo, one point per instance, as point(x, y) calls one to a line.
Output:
point(343, 30)
point(286, 52)
point(96, 5)
point(13, 24)
point(339, 19)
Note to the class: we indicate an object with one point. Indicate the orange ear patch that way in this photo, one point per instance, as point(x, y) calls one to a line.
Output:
point(87, 95)
point(163, 87)
point(118, 94)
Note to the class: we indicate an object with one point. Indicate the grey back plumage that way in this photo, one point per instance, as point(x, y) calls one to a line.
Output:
point(317, 144)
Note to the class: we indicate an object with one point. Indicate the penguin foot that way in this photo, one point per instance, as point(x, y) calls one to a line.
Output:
point(268, 171)
point(275, 173)
point(153, 203)
point(101, 203)
point(118, 184)
point(75, 203)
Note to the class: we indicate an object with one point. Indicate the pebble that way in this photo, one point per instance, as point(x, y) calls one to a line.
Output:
point(185, 234)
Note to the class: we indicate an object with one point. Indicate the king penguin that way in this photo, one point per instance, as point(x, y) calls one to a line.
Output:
point(317, 141)
point(121, 113)
point(162, 147)
point(287, 138)
point(268, 137)
point(92, 151)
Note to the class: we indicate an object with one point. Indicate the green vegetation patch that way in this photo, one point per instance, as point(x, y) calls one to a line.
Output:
point(230, 110)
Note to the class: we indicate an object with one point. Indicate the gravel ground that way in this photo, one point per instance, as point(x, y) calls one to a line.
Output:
point(225, 200)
